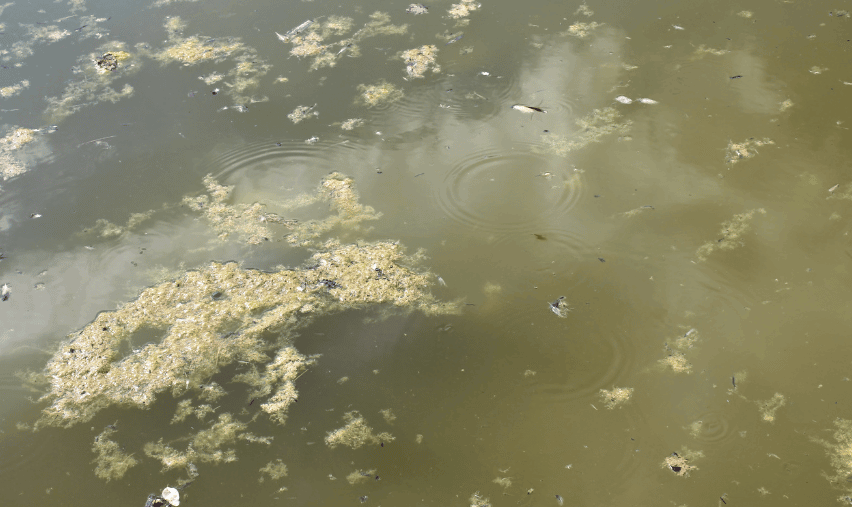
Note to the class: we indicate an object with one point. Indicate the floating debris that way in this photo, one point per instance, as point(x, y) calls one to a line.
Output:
point(417, 9)
point(627, 100)
point(455, 39)
point(528, 109)
point(107, 62)
point(5, 292)
point(560, 307)
point(617, 397)
point(288, 36)
point(171, 495)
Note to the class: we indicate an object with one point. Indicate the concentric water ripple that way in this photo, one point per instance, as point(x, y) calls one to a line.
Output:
point(712, 428)
point(298, 161)
point(504, 191)
point(599, 363)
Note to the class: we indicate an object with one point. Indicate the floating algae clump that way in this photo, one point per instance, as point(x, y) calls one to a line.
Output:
point(770, 406)
point(581, 29)
point(592, 128)
point(680, 463)
point(745, 149)
point(463, 9)
point(617, 397)
point(280, 375)
point(731, 234)
point(360, 476)
point(204, 446)
point(217, 315)
point(379, 93)
point(419, 60)
point(840, 454)
point(251, 222)
point(112, 462)
point(274, 469)
point(355, 433)
point(10, 164)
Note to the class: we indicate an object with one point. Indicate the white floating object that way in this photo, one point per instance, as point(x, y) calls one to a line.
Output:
point(676, 27)
point(484, 73)
point(624, 100)
point(528, 109)
point(648, 101)
point(171, 495)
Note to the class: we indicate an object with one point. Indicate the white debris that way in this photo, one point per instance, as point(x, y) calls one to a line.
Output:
point(171, 495)
point(528, 109)
point(648, 101)
point(676, 27)
point(484, 73)
point(624, 100)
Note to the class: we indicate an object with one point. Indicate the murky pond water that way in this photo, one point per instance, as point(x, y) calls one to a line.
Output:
point(473, 253)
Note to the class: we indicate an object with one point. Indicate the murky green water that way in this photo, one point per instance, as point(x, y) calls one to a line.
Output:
point(632, 288)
